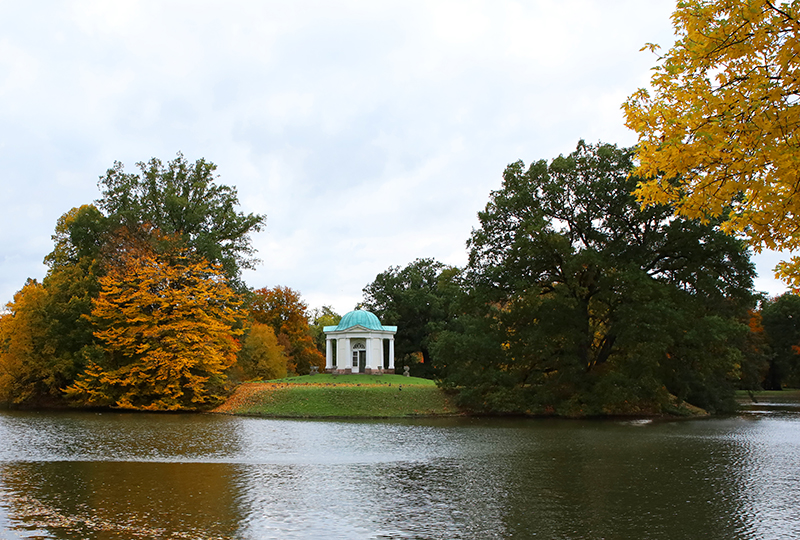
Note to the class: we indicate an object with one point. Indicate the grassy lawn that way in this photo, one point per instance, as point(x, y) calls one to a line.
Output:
point(787, 393)
point(340, 396)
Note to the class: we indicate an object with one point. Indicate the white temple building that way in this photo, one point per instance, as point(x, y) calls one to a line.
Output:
point(358, 342)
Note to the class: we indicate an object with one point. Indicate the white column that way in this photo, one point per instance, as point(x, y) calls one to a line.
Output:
point(368, 343)
point(348, 355)
point(328, 354)
point(391, 352)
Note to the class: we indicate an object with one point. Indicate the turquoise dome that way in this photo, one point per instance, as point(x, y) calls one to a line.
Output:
point(360, 317)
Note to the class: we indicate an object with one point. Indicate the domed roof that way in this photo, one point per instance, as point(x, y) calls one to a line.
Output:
point(363, 319)
point(360, 317)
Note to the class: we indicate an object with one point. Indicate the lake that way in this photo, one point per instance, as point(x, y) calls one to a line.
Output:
point(81, 475)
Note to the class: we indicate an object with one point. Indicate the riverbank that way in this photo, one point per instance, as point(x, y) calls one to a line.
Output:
point(746, 396)
point(365, 396)
point(340, 396)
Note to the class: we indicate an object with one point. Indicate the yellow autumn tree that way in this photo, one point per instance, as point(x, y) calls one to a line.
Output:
point(167, 329)
point(262, 356)
point(24, 348)
point(283, 309)
point(718, 133)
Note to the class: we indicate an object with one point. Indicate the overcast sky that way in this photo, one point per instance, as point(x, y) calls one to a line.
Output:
point(369, 132)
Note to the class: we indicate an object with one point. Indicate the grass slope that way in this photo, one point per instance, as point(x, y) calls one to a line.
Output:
point(767, 395)
point(340, 396)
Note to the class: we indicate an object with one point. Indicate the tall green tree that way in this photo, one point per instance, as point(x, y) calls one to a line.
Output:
point(72, 284)
point(581, 302)
point(51, 317)
point(417, 299)
point(319, 319)
point(781, 322)
point(183, 201)
point(80, 235)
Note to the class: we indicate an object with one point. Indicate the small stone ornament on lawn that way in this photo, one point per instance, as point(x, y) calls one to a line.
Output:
point(314, 370)
point(405, 371)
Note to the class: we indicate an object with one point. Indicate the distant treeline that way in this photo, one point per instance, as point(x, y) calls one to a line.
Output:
point(575, 301)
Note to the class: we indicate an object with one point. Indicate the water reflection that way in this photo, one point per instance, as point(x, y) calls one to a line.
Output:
point(122, 499)
point(371, 480)
point(74, 436)
point(604, 481)
point(193, 476)
point(768, 475)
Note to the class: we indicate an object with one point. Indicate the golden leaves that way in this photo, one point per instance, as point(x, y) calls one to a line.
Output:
point(718, 132)
point(22, 332)
point(167, 324)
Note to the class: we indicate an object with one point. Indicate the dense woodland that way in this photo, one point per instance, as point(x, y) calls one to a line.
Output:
point(575, 301)
point(143, 306)
point(608, 281)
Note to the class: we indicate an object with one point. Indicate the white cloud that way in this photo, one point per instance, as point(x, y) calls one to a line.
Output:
point(370, 133)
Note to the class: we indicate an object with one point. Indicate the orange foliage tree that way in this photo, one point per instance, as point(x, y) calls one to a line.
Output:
point(262, 356)
point(283, 310)
point(167, 328)
point(24, 372)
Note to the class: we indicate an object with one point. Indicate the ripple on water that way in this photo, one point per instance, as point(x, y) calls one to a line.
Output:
point(77, 475)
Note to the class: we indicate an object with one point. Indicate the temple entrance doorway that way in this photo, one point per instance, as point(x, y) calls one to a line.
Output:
point(359, 357)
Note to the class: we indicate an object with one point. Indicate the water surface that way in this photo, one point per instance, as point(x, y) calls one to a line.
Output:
point(125, 476)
